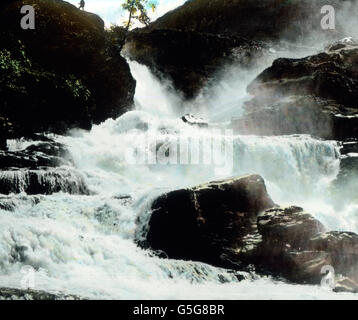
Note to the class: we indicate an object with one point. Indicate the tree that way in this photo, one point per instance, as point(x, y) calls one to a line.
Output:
point(137, 11)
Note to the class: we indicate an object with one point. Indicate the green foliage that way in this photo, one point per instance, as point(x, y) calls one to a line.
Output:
point(16, 73)
point(138, 10)
point(9, 64)
point(36, 99)
point(77, 88)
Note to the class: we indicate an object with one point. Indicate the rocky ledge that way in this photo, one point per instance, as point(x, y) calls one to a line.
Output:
point(234, 224)
point(42, 168)
point(315, 95)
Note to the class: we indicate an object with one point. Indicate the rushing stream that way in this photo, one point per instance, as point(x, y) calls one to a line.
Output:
point(86, 244)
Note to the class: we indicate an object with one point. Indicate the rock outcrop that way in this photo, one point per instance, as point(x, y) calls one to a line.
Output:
point(42, 168)
point(260, 20)
point(315, 95)
point(190, 44)
point(199, 223)
point(189, 58)
point(234, 224)
point(63, 74)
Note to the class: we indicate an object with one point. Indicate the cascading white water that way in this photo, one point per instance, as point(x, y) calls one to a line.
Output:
point(85, 244)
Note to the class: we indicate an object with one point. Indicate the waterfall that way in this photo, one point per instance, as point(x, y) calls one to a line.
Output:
point(84, 243)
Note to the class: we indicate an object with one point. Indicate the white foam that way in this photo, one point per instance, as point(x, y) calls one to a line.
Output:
point(85, 245)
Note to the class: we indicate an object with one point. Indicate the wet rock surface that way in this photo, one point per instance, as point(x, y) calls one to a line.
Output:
point(45, 154)
point(212, 217)
point(315, 95)
point(42, 168)
point(195, 121)
point(260, 20)
point(209, 34)
point(188, 58)
point(235, 224)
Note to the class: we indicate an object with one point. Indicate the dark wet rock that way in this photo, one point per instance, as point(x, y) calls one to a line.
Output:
point(288, 226)
point(212, 217)
point(302, 258)
point(283, 250)
point(28, 294)
point(42, 181)
point(349, 146)
point(346, 285)
point(304, 266)
point(189, 44)
point(45, 154)
point(42, 168)
point(264, 20)
point(315, 95)
point(125, 200)
point(328, 75)
point(234, 224)
point(300, 115)
point(6, 130)
point(195, 121)
point(343, 248)
point(189, 59)
point(64, 74)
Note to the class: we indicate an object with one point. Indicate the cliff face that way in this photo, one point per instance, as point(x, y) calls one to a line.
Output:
point(189, 58)
point(65, 73)
point(260, 20)
point(210, 33)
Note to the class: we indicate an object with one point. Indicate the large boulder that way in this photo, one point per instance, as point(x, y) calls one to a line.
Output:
point(343, 249)
point(332, 74)
point(290, 226)
point(298, 114)
point(65, 73)
point(283, 249)
point(314, 95)
point(234, 224)
point(199, 223)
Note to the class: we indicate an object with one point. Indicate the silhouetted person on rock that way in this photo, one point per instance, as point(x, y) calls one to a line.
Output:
point(82, 5)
